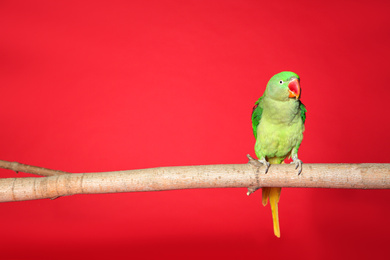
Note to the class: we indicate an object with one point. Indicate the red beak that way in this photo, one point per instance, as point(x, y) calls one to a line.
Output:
point(294, 88)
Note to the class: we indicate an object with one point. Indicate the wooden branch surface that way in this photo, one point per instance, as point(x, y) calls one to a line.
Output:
point(350, 176)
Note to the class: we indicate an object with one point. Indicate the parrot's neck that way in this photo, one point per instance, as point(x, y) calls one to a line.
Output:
point(280, 112)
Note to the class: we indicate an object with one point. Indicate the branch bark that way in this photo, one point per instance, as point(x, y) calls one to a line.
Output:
point(349, 176)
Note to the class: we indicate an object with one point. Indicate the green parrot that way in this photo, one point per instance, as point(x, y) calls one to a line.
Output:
point(278, 119)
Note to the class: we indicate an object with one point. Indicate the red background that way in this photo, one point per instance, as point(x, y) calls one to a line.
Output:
point(102, 86)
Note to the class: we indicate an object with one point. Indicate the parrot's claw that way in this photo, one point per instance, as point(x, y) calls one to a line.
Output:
point(298, 164)
point(265, 163)
point(252, 161)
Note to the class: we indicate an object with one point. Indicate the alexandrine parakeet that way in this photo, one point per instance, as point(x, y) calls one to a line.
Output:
point(278, 119)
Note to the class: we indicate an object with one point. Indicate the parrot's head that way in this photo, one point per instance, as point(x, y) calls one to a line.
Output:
point(284, 86)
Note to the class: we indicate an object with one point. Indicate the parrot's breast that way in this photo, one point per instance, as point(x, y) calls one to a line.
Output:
point(277, 139)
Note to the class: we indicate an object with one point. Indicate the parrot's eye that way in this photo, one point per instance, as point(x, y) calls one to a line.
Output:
point(281, 82)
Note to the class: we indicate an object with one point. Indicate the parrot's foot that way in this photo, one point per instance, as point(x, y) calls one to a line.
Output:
point(258, 163)
point(265, 163)
point(298, 164)
point(253, 161)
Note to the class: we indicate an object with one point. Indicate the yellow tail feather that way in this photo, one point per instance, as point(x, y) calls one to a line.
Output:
point(273, 194)
point(273, 201)
point(265, 195)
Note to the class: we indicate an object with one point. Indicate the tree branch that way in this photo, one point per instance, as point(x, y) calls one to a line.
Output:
point(350, 176)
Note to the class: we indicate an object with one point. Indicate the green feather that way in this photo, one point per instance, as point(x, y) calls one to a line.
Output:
point(256, 115)
point(303, 111)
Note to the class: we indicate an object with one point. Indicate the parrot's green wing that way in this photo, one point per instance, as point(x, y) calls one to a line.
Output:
point(256, 115)
point(303, 111)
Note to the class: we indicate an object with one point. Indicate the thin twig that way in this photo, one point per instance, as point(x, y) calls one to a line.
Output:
point(351, 176)
point(19, 167)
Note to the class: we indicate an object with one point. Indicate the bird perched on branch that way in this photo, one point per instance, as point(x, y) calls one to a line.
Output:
point(278, 119)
